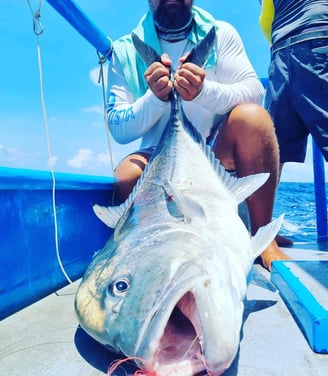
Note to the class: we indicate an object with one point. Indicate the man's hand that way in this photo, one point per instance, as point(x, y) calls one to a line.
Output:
point(188, 80)
point(158, 78)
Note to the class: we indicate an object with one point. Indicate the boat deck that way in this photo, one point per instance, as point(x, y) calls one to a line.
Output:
point(44, 339)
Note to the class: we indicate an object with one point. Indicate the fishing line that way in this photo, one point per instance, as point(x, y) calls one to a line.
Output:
point(187, 352)
point(38, 30)
point(117, 364)
point(101, 80)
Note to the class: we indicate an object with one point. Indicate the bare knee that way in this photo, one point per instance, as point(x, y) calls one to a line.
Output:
point(128, 172)
point(246, 136)
point(131, 167)
point(251, 115)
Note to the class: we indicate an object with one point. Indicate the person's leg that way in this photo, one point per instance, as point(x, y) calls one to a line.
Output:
point(128, 172)
point(309, 87)
point(247, 144)
point(290, 130)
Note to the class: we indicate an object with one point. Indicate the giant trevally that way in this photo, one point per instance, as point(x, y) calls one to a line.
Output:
point(169, 285)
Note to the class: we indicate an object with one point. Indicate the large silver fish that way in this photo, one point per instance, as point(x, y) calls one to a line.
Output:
point(168, 287)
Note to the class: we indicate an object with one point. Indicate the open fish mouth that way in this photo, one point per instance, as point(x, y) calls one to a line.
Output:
point(172, 337)
point(181, 340)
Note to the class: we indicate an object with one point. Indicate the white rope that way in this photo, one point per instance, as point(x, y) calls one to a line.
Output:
point(38, 29)
point(102, 60)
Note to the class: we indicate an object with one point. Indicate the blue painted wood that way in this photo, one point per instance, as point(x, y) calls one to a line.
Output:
point(29, 268)
point(309, 310)
point(320, 193)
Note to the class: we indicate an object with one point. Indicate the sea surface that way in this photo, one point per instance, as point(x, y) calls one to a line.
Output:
point(297, 202)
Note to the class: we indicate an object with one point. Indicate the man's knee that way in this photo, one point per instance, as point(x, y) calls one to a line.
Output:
point(127, 174)
point(251, 113)
point(131, 167)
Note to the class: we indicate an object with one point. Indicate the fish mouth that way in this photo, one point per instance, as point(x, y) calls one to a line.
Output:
point(172, 335)
point(181, 340)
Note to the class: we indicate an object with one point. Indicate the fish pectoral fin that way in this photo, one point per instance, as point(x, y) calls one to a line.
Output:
point(110, 215)
point(188, 207)
point(265, 235)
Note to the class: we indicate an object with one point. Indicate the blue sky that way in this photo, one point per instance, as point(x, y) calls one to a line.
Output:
point(73, 99)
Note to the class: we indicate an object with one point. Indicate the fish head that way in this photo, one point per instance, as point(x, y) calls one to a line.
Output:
point(167, 306)
point(196, 318)
point(115, 294)
point(124, 286)
point(193, 326)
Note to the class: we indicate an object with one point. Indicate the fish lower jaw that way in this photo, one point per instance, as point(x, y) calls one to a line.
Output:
point(187, 367)
point(178, 351)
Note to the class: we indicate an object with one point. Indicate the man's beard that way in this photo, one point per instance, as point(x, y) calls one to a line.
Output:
point(172, 18)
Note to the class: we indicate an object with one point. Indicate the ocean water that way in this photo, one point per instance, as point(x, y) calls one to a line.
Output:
point(297, 202)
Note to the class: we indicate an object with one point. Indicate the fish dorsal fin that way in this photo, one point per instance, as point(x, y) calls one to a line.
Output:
point(265, 235)
point(188, 207)
point(241, 188)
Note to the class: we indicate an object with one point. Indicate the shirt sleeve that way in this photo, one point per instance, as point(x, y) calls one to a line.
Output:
point(235, 80)
point(129, 119)
point(266, 18)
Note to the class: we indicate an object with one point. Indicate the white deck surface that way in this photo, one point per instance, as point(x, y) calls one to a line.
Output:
point(44, 339)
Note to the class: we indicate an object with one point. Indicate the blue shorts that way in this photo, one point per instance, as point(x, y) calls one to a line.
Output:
point(297, 94)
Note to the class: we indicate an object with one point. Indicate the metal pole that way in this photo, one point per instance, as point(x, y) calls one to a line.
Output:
point(320, 193)
point(74, 15)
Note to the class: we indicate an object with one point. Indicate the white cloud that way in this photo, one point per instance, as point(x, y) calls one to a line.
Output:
point(297, 172)
point(81, 159)
point(52, 161)
point(99, 124)
point(94, 109)
point(15, 157)
point(103, 158)
point(94, 75)
point(7, 154)
point(88, 160)
point(302, 172)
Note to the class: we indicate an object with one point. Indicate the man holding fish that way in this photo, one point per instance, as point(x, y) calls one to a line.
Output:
point(168, 288)
point(222, 99)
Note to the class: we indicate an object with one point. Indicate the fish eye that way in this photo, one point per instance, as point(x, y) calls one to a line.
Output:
point(120, 287)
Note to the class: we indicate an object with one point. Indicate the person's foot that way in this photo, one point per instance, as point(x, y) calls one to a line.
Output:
point(283, 242)
point(272, 253)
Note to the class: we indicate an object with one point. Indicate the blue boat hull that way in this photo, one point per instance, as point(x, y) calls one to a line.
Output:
point(29, 266)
